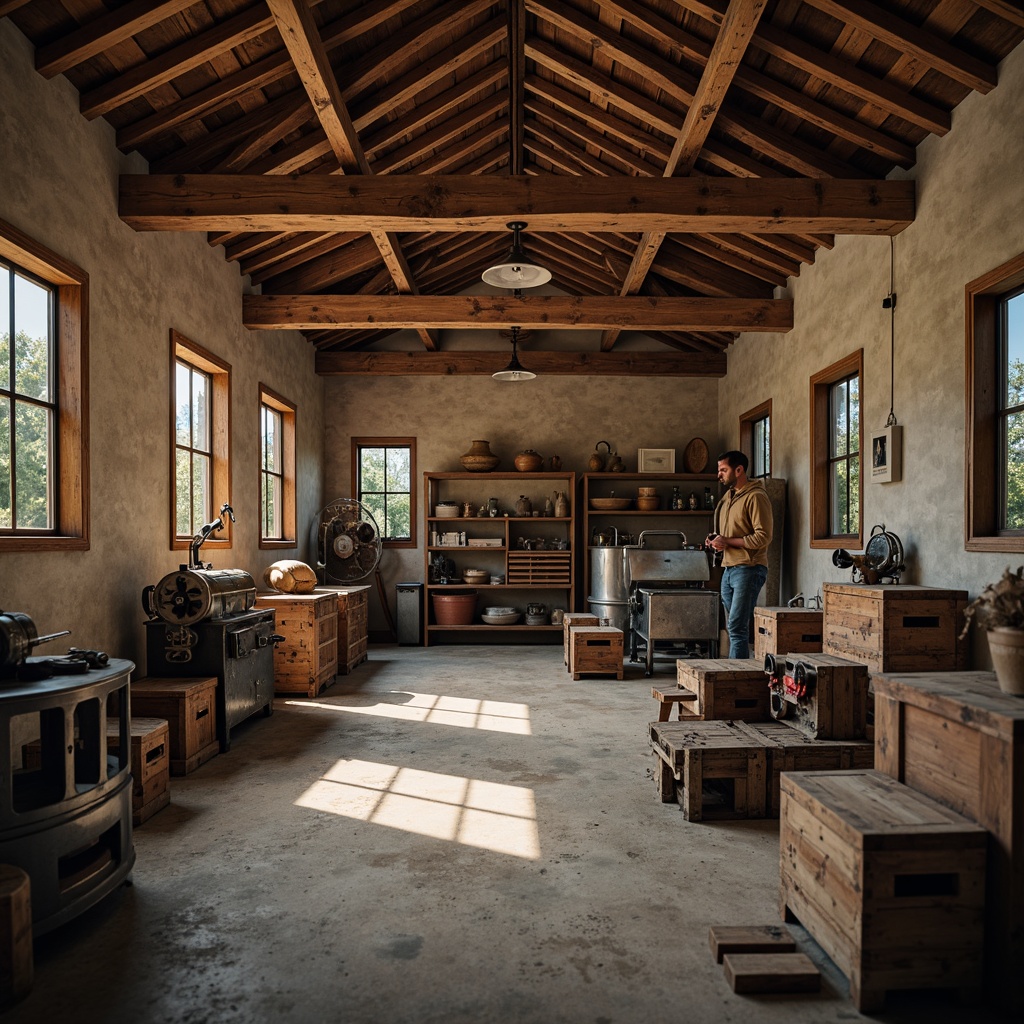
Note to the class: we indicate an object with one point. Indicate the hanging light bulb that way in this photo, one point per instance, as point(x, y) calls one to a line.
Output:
point(515, 370)
point(517, 270)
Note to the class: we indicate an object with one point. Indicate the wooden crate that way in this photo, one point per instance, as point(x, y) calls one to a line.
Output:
point(956, 737)
point(190, 708)
point(726, 688)
point(787, 631)
point(353, 624)
point(569, 620)
point(887, 881)
point(792, 751)
point(895, 628)
point(595, 650)
point(692, 753)
point(836, 706)
point(306, 661)
point(150, 761)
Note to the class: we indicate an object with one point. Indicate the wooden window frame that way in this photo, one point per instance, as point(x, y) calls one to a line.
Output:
point(821, 384)
point(390, 442)
point(981, 456)
point(181, 348)
point(71, 485)
point(287, 411)
point(747, 421)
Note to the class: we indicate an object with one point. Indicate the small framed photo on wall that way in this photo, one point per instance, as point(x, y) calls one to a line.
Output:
point(656, 460)
point(886, 455)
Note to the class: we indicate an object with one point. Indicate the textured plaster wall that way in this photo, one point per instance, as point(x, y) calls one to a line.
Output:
point(563, 416)
point(58, 184)
point(970, 199)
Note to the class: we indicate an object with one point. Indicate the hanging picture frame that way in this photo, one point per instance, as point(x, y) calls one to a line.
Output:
point(656, 460)
point(886, 455)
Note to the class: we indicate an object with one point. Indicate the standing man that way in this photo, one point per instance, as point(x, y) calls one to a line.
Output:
point(744, 522)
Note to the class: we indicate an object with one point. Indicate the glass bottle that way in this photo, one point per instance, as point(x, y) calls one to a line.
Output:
point(676, 502)
point(709, 499)
point(693, 501)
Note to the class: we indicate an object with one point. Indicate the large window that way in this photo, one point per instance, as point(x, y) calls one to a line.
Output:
point(200, 414)
point(277, 470)
point(383, 470)
point(995, 410)
point(756, 439)
point(836, 484)
point(44, 465)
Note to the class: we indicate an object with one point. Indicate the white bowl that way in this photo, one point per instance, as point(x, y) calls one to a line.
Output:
point(501, 610)
point(508, 619)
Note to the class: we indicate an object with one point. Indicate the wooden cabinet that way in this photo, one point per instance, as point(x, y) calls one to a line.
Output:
point(534, 554)
point(353, 611)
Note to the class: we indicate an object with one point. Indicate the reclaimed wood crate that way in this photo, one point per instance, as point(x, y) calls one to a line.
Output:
point(726, 688)
point(190, 708)
point(306, 661)
point(787, 631)
point(958, 738)
point(353, 624)
point(724, 753)
point(890, 883)
point(836, 706)
point(150, 764)
point(571, 619)
point(595, 650)
point(895, 628)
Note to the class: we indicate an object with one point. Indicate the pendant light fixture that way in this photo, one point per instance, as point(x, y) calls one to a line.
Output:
point(515, 370)
point(517, 270)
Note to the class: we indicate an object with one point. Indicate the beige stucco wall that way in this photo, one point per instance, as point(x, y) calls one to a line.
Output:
point(58, 184)
point(969, 220)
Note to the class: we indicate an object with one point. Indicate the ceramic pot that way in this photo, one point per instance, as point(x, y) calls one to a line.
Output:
point(479, 458)
point(529, 461)
point(615, 464)
point(599, 458)
point(524, 506)
point(1007, 649)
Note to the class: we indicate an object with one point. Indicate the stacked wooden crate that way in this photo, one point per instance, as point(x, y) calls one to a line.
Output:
point(353, 617)
point(787, 631)
point(150, 760)
point(190, 707)
point(306, 661)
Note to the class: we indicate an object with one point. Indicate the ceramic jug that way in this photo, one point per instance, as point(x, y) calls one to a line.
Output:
point(615, 464)
point(561, 505)
point(524, 506)
point(556, 463)
point(599, 458)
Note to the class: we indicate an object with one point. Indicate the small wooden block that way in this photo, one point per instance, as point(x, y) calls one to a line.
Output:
point(667, 698)
point(16, 964)
point(749, 938)
point(749, 973)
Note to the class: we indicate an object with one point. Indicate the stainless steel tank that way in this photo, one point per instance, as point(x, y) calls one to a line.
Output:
point(608, 598)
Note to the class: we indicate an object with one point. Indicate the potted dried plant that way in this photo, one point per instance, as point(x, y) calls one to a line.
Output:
point(999, 608)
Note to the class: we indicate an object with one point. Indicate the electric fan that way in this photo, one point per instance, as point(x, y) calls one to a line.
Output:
point(346, 540)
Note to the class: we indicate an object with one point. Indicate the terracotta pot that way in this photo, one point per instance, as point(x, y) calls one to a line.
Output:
point(479, 458)
point(529, 461)
point(1007, 649)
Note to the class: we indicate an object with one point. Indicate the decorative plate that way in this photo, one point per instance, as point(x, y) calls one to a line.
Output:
point(695, 458)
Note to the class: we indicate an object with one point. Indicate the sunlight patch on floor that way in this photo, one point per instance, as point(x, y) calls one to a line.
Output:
point(486, 815)
point(462, 712)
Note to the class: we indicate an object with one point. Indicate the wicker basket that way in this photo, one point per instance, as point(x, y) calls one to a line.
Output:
point(454, 609)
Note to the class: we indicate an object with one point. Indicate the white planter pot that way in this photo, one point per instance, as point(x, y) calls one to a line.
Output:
point(1007, 649)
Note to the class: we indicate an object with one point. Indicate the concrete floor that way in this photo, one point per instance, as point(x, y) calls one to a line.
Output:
point(449, 835)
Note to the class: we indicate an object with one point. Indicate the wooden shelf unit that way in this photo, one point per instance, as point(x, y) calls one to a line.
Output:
point(546, 576)
point(694, 524)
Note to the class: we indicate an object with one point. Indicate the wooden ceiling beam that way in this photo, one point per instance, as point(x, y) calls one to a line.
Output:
point(459, 363)
point(315, 312)
point(290, 255)
point(467, 203)
point(1008, 10)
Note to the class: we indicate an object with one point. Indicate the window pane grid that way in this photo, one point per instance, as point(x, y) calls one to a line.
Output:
point(1010, 342)
point(193, 449)
point(844, 456)
point(384, 486)
point(761, 447)
point(272, 474)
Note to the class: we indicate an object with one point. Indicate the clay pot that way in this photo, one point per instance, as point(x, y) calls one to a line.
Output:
point(529, 461)
point(479, 458)
point(524, 506)
point(1007, 649)
point(599, 458)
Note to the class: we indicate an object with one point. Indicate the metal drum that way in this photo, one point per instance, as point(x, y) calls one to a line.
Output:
point(191, 595)
point(609, 598)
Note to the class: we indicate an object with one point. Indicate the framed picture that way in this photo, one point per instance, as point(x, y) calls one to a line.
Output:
point(886, 455)
point(656, 460)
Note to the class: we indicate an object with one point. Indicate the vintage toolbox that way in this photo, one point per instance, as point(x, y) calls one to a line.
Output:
point(824, 696)
point(787, 631)
point(726, 688)
point(887, 881)
point(958, 738)
point(306, 661)
point(596, 650)
point(895, 628)
point(190, 707)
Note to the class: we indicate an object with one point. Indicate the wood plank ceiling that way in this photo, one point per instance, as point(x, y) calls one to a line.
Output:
point(772, 123)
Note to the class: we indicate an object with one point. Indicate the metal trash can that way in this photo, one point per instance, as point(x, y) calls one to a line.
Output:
point(410, 613)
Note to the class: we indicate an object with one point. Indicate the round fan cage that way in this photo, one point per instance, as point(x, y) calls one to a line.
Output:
point(347, 541)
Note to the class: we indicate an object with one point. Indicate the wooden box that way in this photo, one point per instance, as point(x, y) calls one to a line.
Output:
point(895, 628)
point(836, 704)
point(190, 708)
point(306, 661)
point(887, 881)
point(595, 650)
point(150, 761)
point(571, 619)
point(353, 624)
point(787, 631)
point(692, 753)
point(956, 737)
point(726, 688)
